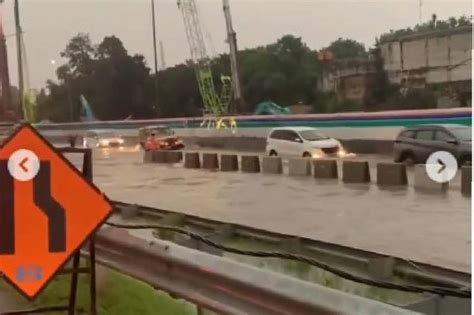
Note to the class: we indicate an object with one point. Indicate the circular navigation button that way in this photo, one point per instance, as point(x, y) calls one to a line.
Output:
point(441, 166)
point(23, 165)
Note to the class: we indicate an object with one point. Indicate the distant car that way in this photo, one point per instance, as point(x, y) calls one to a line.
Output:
point(102, 139)
point(167, 140)
point(302, 142)
point(415, 144)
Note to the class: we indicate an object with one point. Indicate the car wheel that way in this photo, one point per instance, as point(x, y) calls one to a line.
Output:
point(273, 153)
point(408, 159)
point(306, 155)
point(465, 161)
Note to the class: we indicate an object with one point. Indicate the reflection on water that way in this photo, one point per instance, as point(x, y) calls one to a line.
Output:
point(106, 153)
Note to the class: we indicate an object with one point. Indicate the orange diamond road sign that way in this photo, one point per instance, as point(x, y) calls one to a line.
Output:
point(47, 211)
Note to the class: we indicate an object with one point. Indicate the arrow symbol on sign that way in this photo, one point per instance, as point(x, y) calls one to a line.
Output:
point(443, 166)
point(22, 164)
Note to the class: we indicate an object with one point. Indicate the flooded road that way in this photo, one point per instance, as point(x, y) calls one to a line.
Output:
point(430, 228)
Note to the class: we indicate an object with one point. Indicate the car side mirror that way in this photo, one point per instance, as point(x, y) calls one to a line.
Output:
point(452, 141)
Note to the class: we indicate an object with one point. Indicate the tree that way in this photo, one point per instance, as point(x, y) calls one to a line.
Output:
point(347, 48)
point(79, 53)
point(114, 83)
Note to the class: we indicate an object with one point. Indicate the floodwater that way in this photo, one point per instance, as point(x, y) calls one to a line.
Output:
point(429, 228)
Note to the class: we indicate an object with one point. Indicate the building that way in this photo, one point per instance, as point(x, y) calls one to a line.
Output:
point(440, 59)
point(349, 79)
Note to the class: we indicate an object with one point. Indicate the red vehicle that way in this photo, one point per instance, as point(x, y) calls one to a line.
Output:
point(159, 138)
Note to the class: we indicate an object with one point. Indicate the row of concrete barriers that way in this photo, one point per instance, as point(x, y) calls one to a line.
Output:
point(388, 174)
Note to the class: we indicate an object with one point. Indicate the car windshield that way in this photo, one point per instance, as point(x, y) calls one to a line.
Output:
point(463, 134)
point(162, 131)
point(313, 135)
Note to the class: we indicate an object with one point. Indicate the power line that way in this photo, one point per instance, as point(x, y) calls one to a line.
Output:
point(443, 291)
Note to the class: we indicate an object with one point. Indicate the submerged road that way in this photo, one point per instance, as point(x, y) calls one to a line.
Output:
point(430, 228)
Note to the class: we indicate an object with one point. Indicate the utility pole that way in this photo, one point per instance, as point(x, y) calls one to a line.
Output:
point(238, 102)
point(420, 11)
point(5, 89)
point(153, 19)
point(162, 56)
point(154, 34)
point(19, 34)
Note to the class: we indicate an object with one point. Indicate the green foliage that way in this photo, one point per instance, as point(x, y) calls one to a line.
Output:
point(430, 26)
point(285, 72)
point(347, 48)
point(116, 83)
point(116, 294)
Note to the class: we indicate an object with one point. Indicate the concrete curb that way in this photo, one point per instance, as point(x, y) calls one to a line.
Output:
point(229, 163)
point(392, 174)
point(192, 160)
point(272, 165)
point(210, 161)
point(250, 164)
point(355, 172)
point(325, 169)
point(424, 182)
point(466, 180)
point(299, 167)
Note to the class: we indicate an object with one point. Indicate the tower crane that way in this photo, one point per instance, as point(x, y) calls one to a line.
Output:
point(214, 105)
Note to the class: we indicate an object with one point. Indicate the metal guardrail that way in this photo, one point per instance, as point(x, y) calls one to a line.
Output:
point(360, 261)
point(222, 285)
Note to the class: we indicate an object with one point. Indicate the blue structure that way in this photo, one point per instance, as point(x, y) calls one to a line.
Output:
point(86, 111)
point(270, 108)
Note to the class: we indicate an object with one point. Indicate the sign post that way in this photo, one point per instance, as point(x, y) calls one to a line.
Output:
point(48, 210)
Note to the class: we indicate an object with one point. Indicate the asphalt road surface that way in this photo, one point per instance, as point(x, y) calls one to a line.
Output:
point(429, 228)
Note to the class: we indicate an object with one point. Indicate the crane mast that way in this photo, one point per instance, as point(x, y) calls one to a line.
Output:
point(214, 104)
point(232, 41)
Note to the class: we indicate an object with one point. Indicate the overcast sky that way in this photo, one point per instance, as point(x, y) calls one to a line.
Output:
point(49, 24)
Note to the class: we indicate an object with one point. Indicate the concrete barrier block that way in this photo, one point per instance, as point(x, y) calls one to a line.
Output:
point(191, 160)
point(424, 182)
point(147, 157)
point(250, 164)
point(272, 165)
point(159, 156)
point(229, 163)
point(210, 161)
point(466, 180)
point(299, 167)
point(355, 172)
point(325, 168)
point(391, 174)
point(173, 157)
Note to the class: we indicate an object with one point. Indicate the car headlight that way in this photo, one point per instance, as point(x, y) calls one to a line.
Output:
point(317, 153)
point(104, 142)
point(121, 141)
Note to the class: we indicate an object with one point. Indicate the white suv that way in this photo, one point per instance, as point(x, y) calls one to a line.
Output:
point(302, 142)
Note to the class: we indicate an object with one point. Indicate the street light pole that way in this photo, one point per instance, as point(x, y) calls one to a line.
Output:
point(154, 35)
point(19, 34)
point(155, 51)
